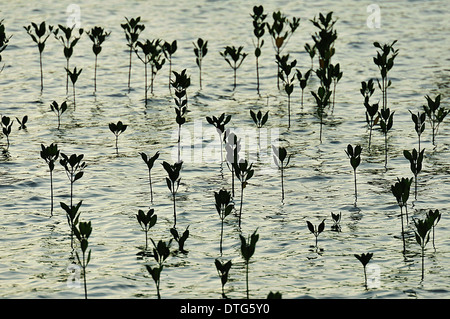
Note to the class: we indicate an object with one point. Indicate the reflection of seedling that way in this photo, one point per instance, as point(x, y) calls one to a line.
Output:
point(132, 30)
point(41, 34)
point(72, 217)
point(219, 123)
point(435, 114)
point(288, 82)
point(433, 218)
point(161, 252)
point(401, 192)
point(23, 122)
point(146, 221)
point(169, 49)
point(50, 155)
point(223, 269)
point(336, 220)
point(419, 123)
point(364, 259)
point(117, 129)
point(422, 234)
point(415, 159)
point(354, 154)
point(74, 167)
point(150, 161)
point(224, 207)
point(258, 30)
point(234, 57)
point(247, 251)
point(243, 172)
point(279, 156)
point(173, 183)
point(58, 110)
point(180, 239)
point(200, 50)
point(303, 80)
point(73, 78)
point(316, 230)
point(97, 35)
point(82, 233)
point(6, 126)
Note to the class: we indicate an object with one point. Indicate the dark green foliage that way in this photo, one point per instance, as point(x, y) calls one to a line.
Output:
point(434, 217)
point(422, 235)
point(354, 154)
point(181, 240)
point(73, 78)
point(132, 29)
point(223, 269)
point(219, 123)
point(58, 110)
point(181, 82)
point(161, 252)
point(322, 99)
point(274, 295)
point(6, 129)
point(324, 39)
point(401, 190)
point(435, 114)
point(97, 35)
point(285, 69)
point(117, 129)
point(247, 250)
point(259, 27)
point(73, 215)
point(385, 61)
point(316, 230)
point(200, 51)
point(22, 122)
point(243, 172)
point(258, 118)
point(303, 80)
point(150, 161)
point(415, 159)
point(419, 123)
point(74, 167)
point(234, 57)
point(336, 75)
point(50, 155)
point(311, 50)
point(173, 182)
point(336, 221)
point(224, 207)
point(232, 148)
point(169, 49)
point(367, 90)
point(279, 157)
point(146, 221)
point(82, 233)
point(364, 259)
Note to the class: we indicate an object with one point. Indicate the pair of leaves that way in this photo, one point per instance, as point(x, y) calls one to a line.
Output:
point(248, 245)
point(235, 54)
point(200, 50)
point(415, 158)
point(97, 35)
point(72, 213)
point(161, 251)
point(169, 48)
point(364, 258)
point(258, 118)
point(118, 128)
point(58, 110)
point(386, 120)
point(419, 122)
point(39, 36)
point(316, 230)
point(50, 154)
point(146, 220)
point(354, 154)
point(243, 171)
point(422, 232)
point(72, 164)
point(82, 232)
point(279, 156)
point(322, 97)
point(303, 80)
point(223, 269)
point(219, 122)
point(181, 82)
point(367, 88)
point(149, 160)
point(224, 205)
point(6, 125)
point(180, 239)
point(173, 181)
point(73, 74)
point(132, 30)
point(401, 190)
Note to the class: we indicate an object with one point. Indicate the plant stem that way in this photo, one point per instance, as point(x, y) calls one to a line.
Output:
point(174, 210)
point(151, 189)
point(423, 260)
point(67, 77)
point(242, 199)
point(289, 110)
point(51, 191)
point(145, 75)
point(365, 277)
point(221, 237)
point(74, 102)
point(129, 70)
point(356, 194)
point(257, 75)
point(42, 75)
point(234, 86)
point(282, 183)
point(403, 233)
point(84, 277)
point(95, 74)
point(246, 278)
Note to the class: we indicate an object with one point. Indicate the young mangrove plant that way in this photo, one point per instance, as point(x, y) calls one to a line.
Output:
point(39, 34)
point(98, 35)
point(281, 31)
point(316, 230)
point(322, 99)
point(173, 183)
point(259, 27)
point(259, 119)
point(247, 250)
point(285, 69)
point(22, 122)
point(223, 269)
point(4, 40)
point(385, 61)
point(415, 159)
point(50, 155)
point(433, 217)
point(364, 259)
point(336, 75)
point(224, 207)
point(73, 78)
point(117, 129)
point(336, 221)
point(243, 172)
point(74, 167)
point(181, 240)
point(422, 234)
point(279, 156)
point(419, 123)
point(200, 51)
point(232, 148)
point(234, 57)
point(146, 221)
point(132, 29)
point(150, 161)
point(311, 50)
point(6, 128)
point(303, 80)
point(73, 215)
point(401, 190)
point(354, 154)
point(169, 49)
point(386, 122)
point(82, 233)
point(219, 123)
point(367, 90)
point(151, 54)
point(161, 252)
point(435, 114)
point(69, 40)
point(58, 110)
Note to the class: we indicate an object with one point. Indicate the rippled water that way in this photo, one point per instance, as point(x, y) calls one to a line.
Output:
point(35, 250)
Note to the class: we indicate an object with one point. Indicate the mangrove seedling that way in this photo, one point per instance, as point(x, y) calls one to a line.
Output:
point(364, 259)
point(285, 69)
point(303, 80)
point(385, 61)
point(234, 57)
point(173, 183)
point(73, 215)
point(132, 29)
point(151, 54)
point(82, 233)
point(146, 221)
point(386, 122)
point(367, 89)
point(181, 240)
point(224, 207)
point(354, 154)
point(243, 172)
point(259, 27)
point(419, 123)
point(371, 111)
point(6, 128)
point(279, 156)
point(97, 35)
point(247, 250)
point(74, 167)
point(322, 99)
point(23, 122)
point(316, 230)
point(4, 40)
point(281, 31)
point(336, 221)
point(401, 190)
point(259, 119)
point(150, 161)
point(274, 295)
point(415, 159)
point(161, 252)
point(58, 110)
point(223, 269)
point(117, 129)
point(50, 155)
point(336, 75)
point(232, 148)
point(219, 123)
point(40, 36)
point(73, 78)
point(311, 50)
point(200, 51)
point(435, 114)
point(433, 217)
point(422, 234)
point(169, 49)
point(69, 40)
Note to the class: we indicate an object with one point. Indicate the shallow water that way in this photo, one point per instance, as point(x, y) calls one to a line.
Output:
point(35, 251)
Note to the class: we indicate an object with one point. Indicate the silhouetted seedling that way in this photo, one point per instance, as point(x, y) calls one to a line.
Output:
point(422, 234)
point(401, 190)
point(385, 61)
point(259, 119)
point(336, 75)
point(419, 123)
point(161, 252)
point(232, 148)
point(69, 40)
point(234, 57)
point(371, 120)
point(322, 99)
point(82, 233)
point(169, 49)
point(285, 68)
point(173, 183)
point(4, 41)
point(22, 122)
point(146, 221)
point(40, 36)
point(224, 207)
point(181, 240)
point(50, 155)
point(415, 159)
point(435, 114)
point(316, 230)
point(274, 295)
point(73, 78)
point(132, 29)
point(117, 129)
point(219, 123)
point(279, 156)
point(6, 128)
point(433, 218)
point(200, 51)
point(150, 161)
point(364, 259)
point(97, 35)
point(58, 110)
point(259, 27)
point(74, 167)
point(386, 122)
point(354, 154)
point(73, 216)
point(223, 269)
point(311, 50)
point(336, 221)
point(247, 250)
point(303, 80)
point(243, 172)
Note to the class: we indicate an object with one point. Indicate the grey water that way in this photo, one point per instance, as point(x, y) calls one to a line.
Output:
point(36, 259)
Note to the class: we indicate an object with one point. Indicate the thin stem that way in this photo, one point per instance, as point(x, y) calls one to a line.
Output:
point(145, 75)
point(356, 193)
point(403, 233)
point(174, 210)
point(129, 70)
point(67, 76)
point(289, 110)
point(246, 278)
point(74, 102)
point(84, 277)
point(51, 191)
point(242, 199)
point(282, 183)
point(234, 86)
point(221, 235)
point(150, 182)
point(95, 74)
point(423, 260)
point(257, 75)
point(365, 277)
point(42, 75)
